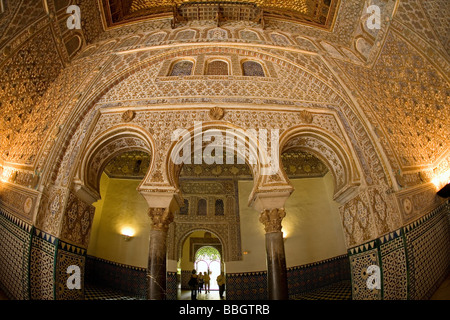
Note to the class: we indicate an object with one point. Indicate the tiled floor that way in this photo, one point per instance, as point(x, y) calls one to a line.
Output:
point(443, 293)
point(186, 295)
point(93, 292)
point(337, 291)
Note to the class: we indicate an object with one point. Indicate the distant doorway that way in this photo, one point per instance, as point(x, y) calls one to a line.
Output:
point(208, 260)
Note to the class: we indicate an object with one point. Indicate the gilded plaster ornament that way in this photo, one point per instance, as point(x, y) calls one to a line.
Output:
point(216, 113)
point(161, 218)
point(271, 219)
point(128, 116)
point(28, 205)
point(306, 116)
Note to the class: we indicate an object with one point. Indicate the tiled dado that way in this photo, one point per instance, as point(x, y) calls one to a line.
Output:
point(301, 279)
point(124, 278)
point(413, 260)
point(15, 240)
point(33, 264)
point(246, 286)
point(307, 278)
point(50, 260)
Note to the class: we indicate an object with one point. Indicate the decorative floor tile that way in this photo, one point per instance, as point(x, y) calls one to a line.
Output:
point(336, 291)
point(93, 292)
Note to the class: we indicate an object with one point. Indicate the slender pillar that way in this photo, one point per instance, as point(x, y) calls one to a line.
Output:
point(156, 272)
point(276, 259)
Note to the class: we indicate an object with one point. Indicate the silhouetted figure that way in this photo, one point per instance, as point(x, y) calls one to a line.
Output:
point(221, 282)
point(193, 284)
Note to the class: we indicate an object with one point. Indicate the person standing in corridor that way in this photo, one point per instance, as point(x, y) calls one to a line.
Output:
point(221, 282)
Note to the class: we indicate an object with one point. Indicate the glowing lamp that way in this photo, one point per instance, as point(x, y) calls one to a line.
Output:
point(127, 233)
point(442, 184)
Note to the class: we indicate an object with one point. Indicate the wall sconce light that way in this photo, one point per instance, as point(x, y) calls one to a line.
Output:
point(445, 191)
point(442, 184)
point(285, 235)
point(127, 233)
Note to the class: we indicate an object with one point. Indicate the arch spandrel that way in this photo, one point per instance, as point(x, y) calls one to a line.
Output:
point(258, 162)
point(102, 150)
point(332, 151)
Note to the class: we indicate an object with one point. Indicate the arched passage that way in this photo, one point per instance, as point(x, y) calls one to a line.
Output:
point(116, 155)
point(224, 143)
point(203, 251)
point(331, 151)
point(102, 150)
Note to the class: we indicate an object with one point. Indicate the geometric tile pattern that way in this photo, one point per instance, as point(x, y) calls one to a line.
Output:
point(361, 258)
point(171, 286)
point(43, 250)
point(413, 260)
point(15, 236)
point(246, 286)
point(69, 255)
point(341, 290)
point(394, 266)
point(127, 279)
point(95, 292)
point(307, 278)
point(428, 251)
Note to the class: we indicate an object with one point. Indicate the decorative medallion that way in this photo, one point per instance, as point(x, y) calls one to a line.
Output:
point(216, 113)
point(407, 205)
point(28, 205)
point(127, 116)
point(306, 116)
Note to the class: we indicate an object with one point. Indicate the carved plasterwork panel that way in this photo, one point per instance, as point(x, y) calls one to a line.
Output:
point(77, 221)
point(408, 99)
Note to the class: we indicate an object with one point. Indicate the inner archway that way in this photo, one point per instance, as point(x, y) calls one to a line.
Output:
point(201, 251)
point(118, 248)
point(208, 262)
point(312, 230)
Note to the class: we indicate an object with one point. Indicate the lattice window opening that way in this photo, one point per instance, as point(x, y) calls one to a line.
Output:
point(184, 210)
point(217, 68)
point(253, 69)
point(182, 68)
point(202, 207)
point(219, 208)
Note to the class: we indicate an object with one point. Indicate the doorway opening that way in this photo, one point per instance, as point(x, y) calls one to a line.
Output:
point(208, 262)
point(201, 251)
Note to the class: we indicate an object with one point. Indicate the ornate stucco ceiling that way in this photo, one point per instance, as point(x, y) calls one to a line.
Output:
point(320, 13)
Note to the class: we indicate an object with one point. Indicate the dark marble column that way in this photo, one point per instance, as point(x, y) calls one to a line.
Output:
point(156, 272)
point(276, 259)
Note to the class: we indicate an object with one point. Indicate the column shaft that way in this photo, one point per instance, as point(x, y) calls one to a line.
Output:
point(156, 273)
point(276, 259)
point(276, 267)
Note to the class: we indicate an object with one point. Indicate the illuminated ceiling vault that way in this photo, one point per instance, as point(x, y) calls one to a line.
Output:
point(319, 13)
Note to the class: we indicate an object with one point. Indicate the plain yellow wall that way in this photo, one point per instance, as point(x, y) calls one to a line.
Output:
point(121, 206)
point(312, 226)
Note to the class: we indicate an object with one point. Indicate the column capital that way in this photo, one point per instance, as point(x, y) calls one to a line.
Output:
point(161, 218)
point(271, 219)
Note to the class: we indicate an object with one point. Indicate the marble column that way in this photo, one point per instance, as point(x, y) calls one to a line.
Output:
point(156, 272)
point(276, 259)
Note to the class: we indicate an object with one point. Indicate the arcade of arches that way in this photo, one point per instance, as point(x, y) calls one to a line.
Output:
point(96, 120)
